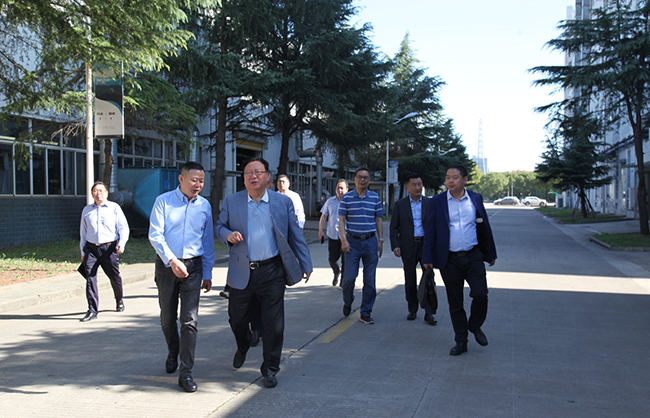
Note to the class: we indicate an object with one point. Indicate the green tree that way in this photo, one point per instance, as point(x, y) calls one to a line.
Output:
point(572, 157)
point(613, 50)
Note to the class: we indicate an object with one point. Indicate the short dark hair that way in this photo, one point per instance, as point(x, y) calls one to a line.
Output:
point(283, 176)
point(411, 176)
point(97, 183)
point(347, 185)
point(191, 165)
point(256, 159)
point(460, 168)
point(362, 168)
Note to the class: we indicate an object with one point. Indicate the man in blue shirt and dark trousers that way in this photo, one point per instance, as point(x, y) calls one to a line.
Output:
point(360, 216)
point(181, 232)
point(457, 240)
point(104, 233)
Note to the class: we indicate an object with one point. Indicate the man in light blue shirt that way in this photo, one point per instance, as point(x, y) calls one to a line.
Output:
point(330, 214)
point(104, 233)
point(181, 232)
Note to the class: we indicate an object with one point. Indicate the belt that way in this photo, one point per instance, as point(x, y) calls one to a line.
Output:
point(99, 245)
point(257, 264)
point(189, 259)
point(462, 253)
point(418, 239)
point(361, 238)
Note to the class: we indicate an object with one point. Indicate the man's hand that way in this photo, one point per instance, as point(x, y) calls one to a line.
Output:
point(119, 249)
point(306, 276)
point(426, 266)
point(235, 237)
point(345, 246)
point(206, 285)
point(492, 262)
point(397, 252)
point(178, 268)
point(381, 248)
point(320, 235)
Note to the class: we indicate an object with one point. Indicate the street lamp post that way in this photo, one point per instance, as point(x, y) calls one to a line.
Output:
point(410, 115)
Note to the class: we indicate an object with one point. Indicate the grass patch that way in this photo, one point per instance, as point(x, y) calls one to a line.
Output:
point(625, 240)
point(31, 262)
point(566, 216)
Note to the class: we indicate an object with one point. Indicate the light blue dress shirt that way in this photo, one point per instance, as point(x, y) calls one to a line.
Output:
point(103, 224)
point(261, 238)
point(182, 229)
point(416, 210)
point(462, 223)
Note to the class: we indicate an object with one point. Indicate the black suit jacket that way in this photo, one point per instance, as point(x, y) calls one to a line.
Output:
point(401, 225)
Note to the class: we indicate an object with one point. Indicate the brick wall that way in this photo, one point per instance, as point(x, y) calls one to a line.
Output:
point(36, 220)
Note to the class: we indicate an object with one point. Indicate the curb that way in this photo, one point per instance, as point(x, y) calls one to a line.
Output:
point(609, 247)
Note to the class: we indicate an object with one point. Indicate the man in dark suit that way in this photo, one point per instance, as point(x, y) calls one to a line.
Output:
point(267, 252)
point(406, 240)
point(457, 240)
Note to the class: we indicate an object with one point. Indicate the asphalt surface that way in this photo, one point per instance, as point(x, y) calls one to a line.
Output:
point(567, 329)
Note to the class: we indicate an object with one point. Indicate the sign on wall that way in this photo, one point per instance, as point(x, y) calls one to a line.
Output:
point(392, 172)
point(109, 104)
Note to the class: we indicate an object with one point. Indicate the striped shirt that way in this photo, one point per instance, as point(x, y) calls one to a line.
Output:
point(360, 212)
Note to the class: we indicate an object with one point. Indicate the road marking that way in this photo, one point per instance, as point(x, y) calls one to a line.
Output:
point(337, 330)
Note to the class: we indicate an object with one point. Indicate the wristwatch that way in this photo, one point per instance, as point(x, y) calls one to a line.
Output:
point(381, 239)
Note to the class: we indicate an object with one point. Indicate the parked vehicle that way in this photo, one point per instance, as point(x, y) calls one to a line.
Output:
point(508, 200)
point(534, 201)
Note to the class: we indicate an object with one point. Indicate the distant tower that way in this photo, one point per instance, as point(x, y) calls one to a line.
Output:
point(480, 161)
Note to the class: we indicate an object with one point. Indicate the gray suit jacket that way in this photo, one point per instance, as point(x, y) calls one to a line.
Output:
point(401, 225)
point(288, 236)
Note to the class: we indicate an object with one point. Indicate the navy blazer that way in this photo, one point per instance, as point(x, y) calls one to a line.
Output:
point(436, 232)
point(288, 236)
point(401, 225)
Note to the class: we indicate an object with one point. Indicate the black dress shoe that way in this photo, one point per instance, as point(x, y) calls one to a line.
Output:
point(187, 383)
point(120, 306)
point(89, 316)
point(257, 336)
point(347, 309)
point(458, 349)
point(238, 360)
point(481, 339)
point(270, 381)
point(429, 319)
point(411, 316)
point(171, 364)
point(335, 281)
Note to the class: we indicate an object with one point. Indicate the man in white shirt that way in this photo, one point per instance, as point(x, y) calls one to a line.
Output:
point(330, 214)
point(283, 187)
point(104, 233)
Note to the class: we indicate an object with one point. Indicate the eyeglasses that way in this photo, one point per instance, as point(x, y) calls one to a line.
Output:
point(364, 178)
point(257, 173)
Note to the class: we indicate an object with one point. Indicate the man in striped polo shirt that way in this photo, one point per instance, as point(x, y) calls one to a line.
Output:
point(360, 217)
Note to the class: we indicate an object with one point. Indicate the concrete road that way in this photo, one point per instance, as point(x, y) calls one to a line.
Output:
point(567, 326)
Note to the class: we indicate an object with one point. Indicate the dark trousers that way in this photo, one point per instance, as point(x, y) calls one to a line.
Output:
point(459, 269)
point(188, 290)
point(265, 288)
point(105, 256)
point(334, 250)
point(411, 276)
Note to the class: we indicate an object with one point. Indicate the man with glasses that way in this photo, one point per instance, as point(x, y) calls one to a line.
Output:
point(267, 252)
point(362, 239)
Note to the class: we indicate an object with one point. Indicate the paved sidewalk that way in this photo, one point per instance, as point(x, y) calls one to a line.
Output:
point(567, 330)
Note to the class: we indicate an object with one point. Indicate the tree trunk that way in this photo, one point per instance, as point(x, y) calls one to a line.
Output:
point(642, 191)
point(220, 163)
point(284, 150)
point(108, 163)
point(583, 203)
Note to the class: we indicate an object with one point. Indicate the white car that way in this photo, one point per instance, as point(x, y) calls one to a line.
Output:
point(534, 201)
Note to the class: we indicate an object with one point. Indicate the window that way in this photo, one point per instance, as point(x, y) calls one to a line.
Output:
point(54, 171)
point(38, 168)
point(6, 169)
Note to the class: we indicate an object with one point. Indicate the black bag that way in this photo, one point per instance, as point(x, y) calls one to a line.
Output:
point(427, 294)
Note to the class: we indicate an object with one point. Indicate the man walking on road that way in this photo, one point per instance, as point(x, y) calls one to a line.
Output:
point(267, 252)
point(457, 240)
point(104, 233)
point(406, 240)
point(360, 217)
point(330, 214)
point(181, 232)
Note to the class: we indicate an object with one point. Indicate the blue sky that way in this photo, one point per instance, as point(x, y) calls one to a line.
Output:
point(481, 50)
